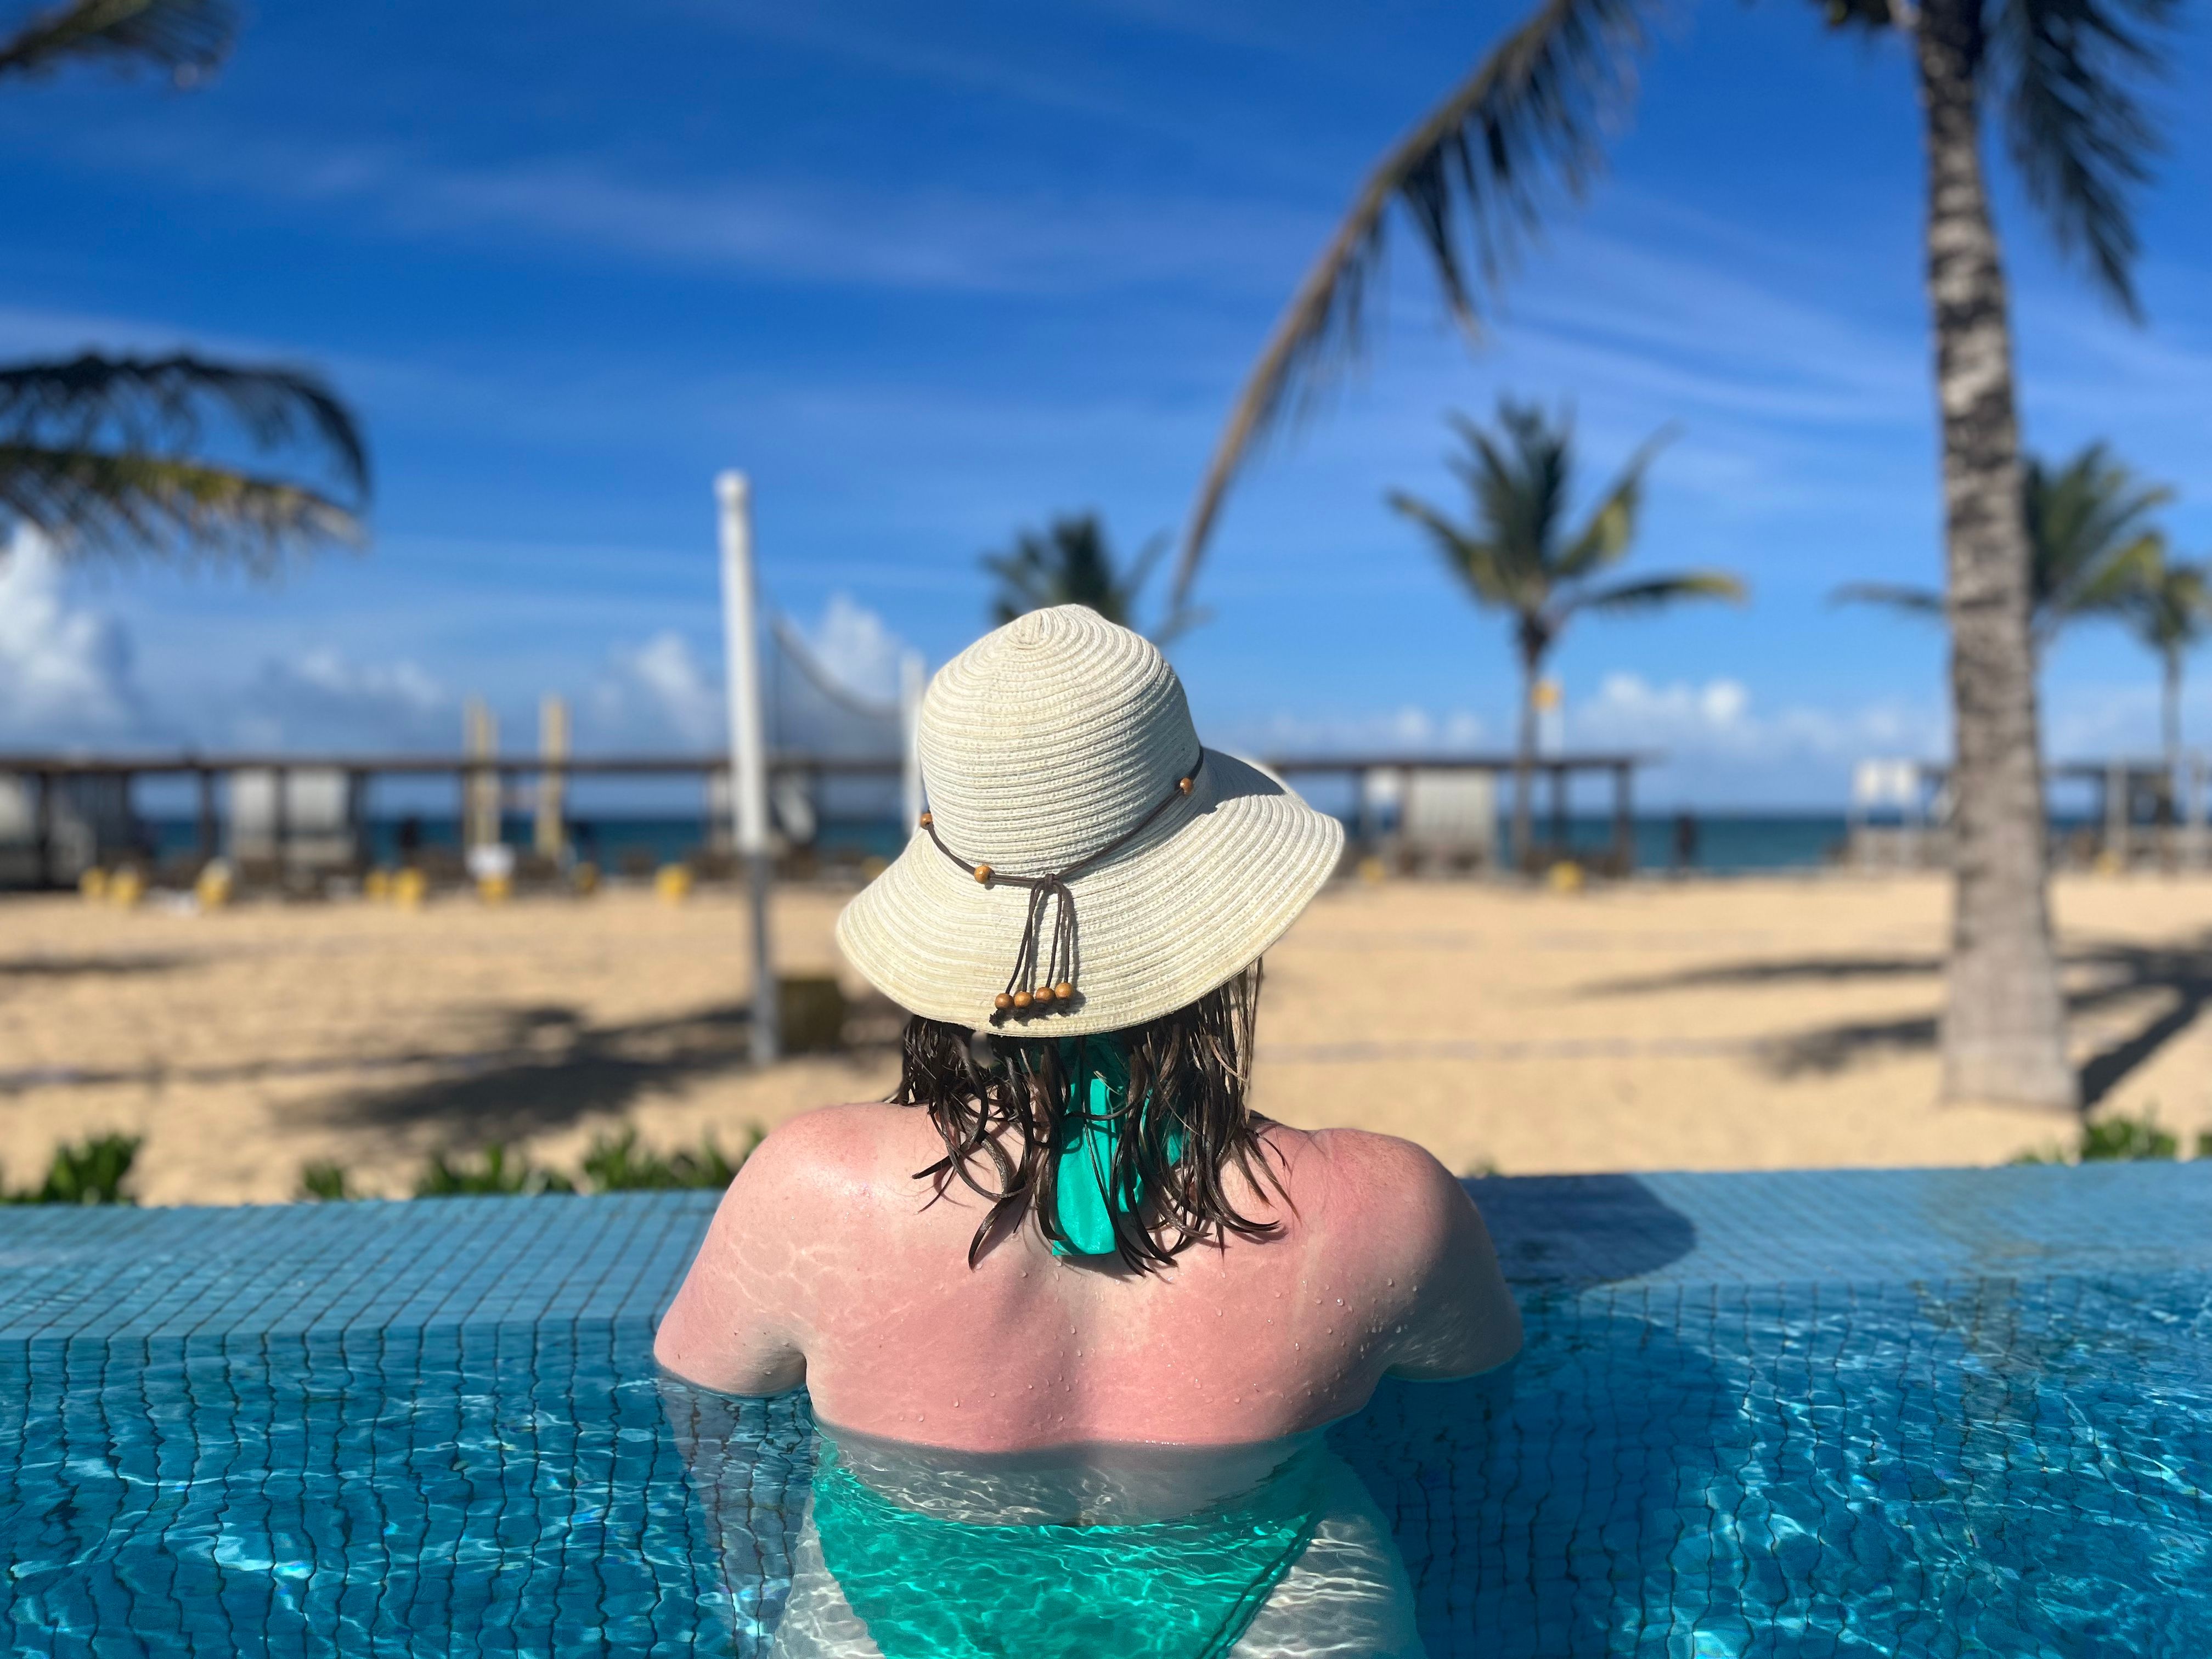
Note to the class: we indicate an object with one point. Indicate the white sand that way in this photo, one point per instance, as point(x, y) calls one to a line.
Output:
point(1702, 1026)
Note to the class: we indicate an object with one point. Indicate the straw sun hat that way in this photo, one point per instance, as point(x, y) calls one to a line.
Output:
point(1079, 836)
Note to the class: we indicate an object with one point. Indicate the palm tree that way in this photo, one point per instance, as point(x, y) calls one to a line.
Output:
point(2169, 610)
point(1473, 177)
point(1517, 555)
point(1071, 562)
point(2089, 545)
point(106, 454)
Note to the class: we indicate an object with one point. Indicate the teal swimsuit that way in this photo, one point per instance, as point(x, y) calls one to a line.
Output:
point(928, 1588)
point(1185, 1588)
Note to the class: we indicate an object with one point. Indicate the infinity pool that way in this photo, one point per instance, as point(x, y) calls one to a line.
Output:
point(1926, 1412)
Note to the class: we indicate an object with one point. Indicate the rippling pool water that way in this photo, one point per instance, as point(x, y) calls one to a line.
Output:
point(1906, 1413)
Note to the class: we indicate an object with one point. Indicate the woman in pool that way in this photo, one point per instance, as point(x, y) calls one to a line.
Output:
point(1070, 1312)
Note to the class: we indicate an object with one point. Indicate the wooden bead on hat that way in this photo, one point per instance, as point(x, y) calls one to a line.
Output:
point(1022, 998)
point(1063, 991)
point(1041, 996)
point(1002, 1002)
point(983, 874)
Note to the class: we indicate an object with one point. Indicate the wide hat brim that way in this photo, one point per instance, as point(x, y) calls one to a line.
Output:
point(1180, 911)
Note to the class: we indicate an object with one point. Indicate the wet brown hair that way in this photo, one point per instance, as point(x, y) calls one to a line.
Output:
point(1001, 1104)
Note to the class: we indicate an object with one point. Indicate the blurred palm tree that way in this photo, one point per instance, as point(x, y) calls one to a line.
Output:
point(2063, 78)
point(115, 455)
point(1071, 562)
point(2169, 609)
point(1518, 553)
point(2089, 545)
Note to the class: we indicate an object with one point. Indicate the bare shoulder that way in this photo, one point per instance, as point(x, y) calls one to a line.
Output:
point(830, 1135)
point(1406, 1209)
point(1392, 1207)
point(1374, 1175)
point(829, 1154)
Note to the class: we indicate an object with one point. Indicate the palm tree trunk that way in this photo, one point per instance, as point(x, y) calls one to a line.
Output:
point(1524, 766)
point(2003, 1028)
point(2170, 719)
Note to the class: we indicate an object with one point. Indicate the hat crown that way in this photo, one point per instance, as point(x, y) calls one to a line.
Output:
point(1049, 737)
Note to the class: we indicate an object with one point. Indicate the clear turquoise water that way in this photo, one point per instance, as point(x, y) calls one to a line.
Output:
point(1933, 1414)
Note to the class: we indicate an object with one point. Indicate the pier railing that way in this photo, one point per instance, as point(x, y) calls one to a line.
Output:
point(60, 814)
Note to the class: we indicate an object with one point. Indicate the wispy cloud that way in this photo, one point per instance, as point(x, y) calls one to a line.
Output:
point(837, 231)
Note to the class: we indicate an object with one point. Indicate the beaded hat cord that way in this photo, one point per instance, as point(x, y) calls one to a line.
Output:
point(1048, 986)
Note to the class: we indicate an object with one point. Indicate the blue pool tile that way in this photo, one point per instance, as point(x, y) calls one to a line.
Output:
point(1914, 1413)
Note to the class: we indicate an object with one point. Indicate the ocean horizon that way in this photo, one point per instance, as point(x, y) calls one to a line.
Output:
point(1727, 842)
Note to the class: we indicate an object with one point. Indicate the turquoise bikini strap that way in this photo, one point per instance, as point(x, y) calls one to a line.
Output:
point(1099, 1115)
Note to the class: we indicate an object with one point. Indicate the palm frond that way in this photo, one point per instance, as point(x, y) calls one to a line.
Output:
point(1073, 562)
point(1606, 534)
point(2082, 517)
point(186, 38)
point(2076, 123)
point(1651, 592)
point(1915, 601)
point(93, 502)
point(1469, 556)
point(162, 404)
point(1471, 176)
point(2170, 610)
point(2115, 584)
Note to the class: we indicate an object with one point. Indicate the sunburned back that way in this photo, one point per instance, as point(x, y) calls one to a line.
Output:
point(828, 1264)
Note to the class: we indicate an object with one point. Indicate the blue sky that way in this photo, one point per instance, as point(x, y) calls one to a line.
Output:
point(932, 275)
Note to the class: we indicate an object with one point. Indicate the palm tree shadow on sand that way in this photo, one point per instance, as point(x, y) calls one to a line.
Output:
point(527, 1070)
point(2117, 976)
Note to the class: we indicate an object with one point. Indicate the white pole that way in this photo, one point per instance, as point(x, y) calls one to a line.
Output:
point(913, 677)
point(748, 746)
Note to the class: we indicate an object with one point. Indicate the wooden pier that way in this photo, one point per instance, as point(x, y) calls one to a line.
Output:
point(1375, 780)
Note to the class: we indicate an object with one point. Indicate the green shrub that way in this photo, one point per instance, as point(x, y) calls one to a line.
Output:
point(2120, 1140)
point(325, 1181)
point(443, 1178)
point(91, 1171)
point(616, 1164)
point(2115, 1139)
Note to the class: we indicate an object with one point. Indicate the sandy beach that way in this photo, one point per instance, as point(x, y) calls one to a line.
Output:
point(1708, 1024)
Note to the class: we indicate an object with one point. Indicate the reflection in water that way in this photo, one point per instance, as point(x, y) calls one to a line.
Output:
point(1136, 1551)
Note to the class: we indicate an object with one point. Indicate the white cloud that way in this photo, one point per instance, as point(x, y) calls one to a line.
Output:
point(657, 696)
point(65, 673)
point(321, 699)
point(1717, 742)
point(1408, 730)
point(856, 648)
point(663, 695)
